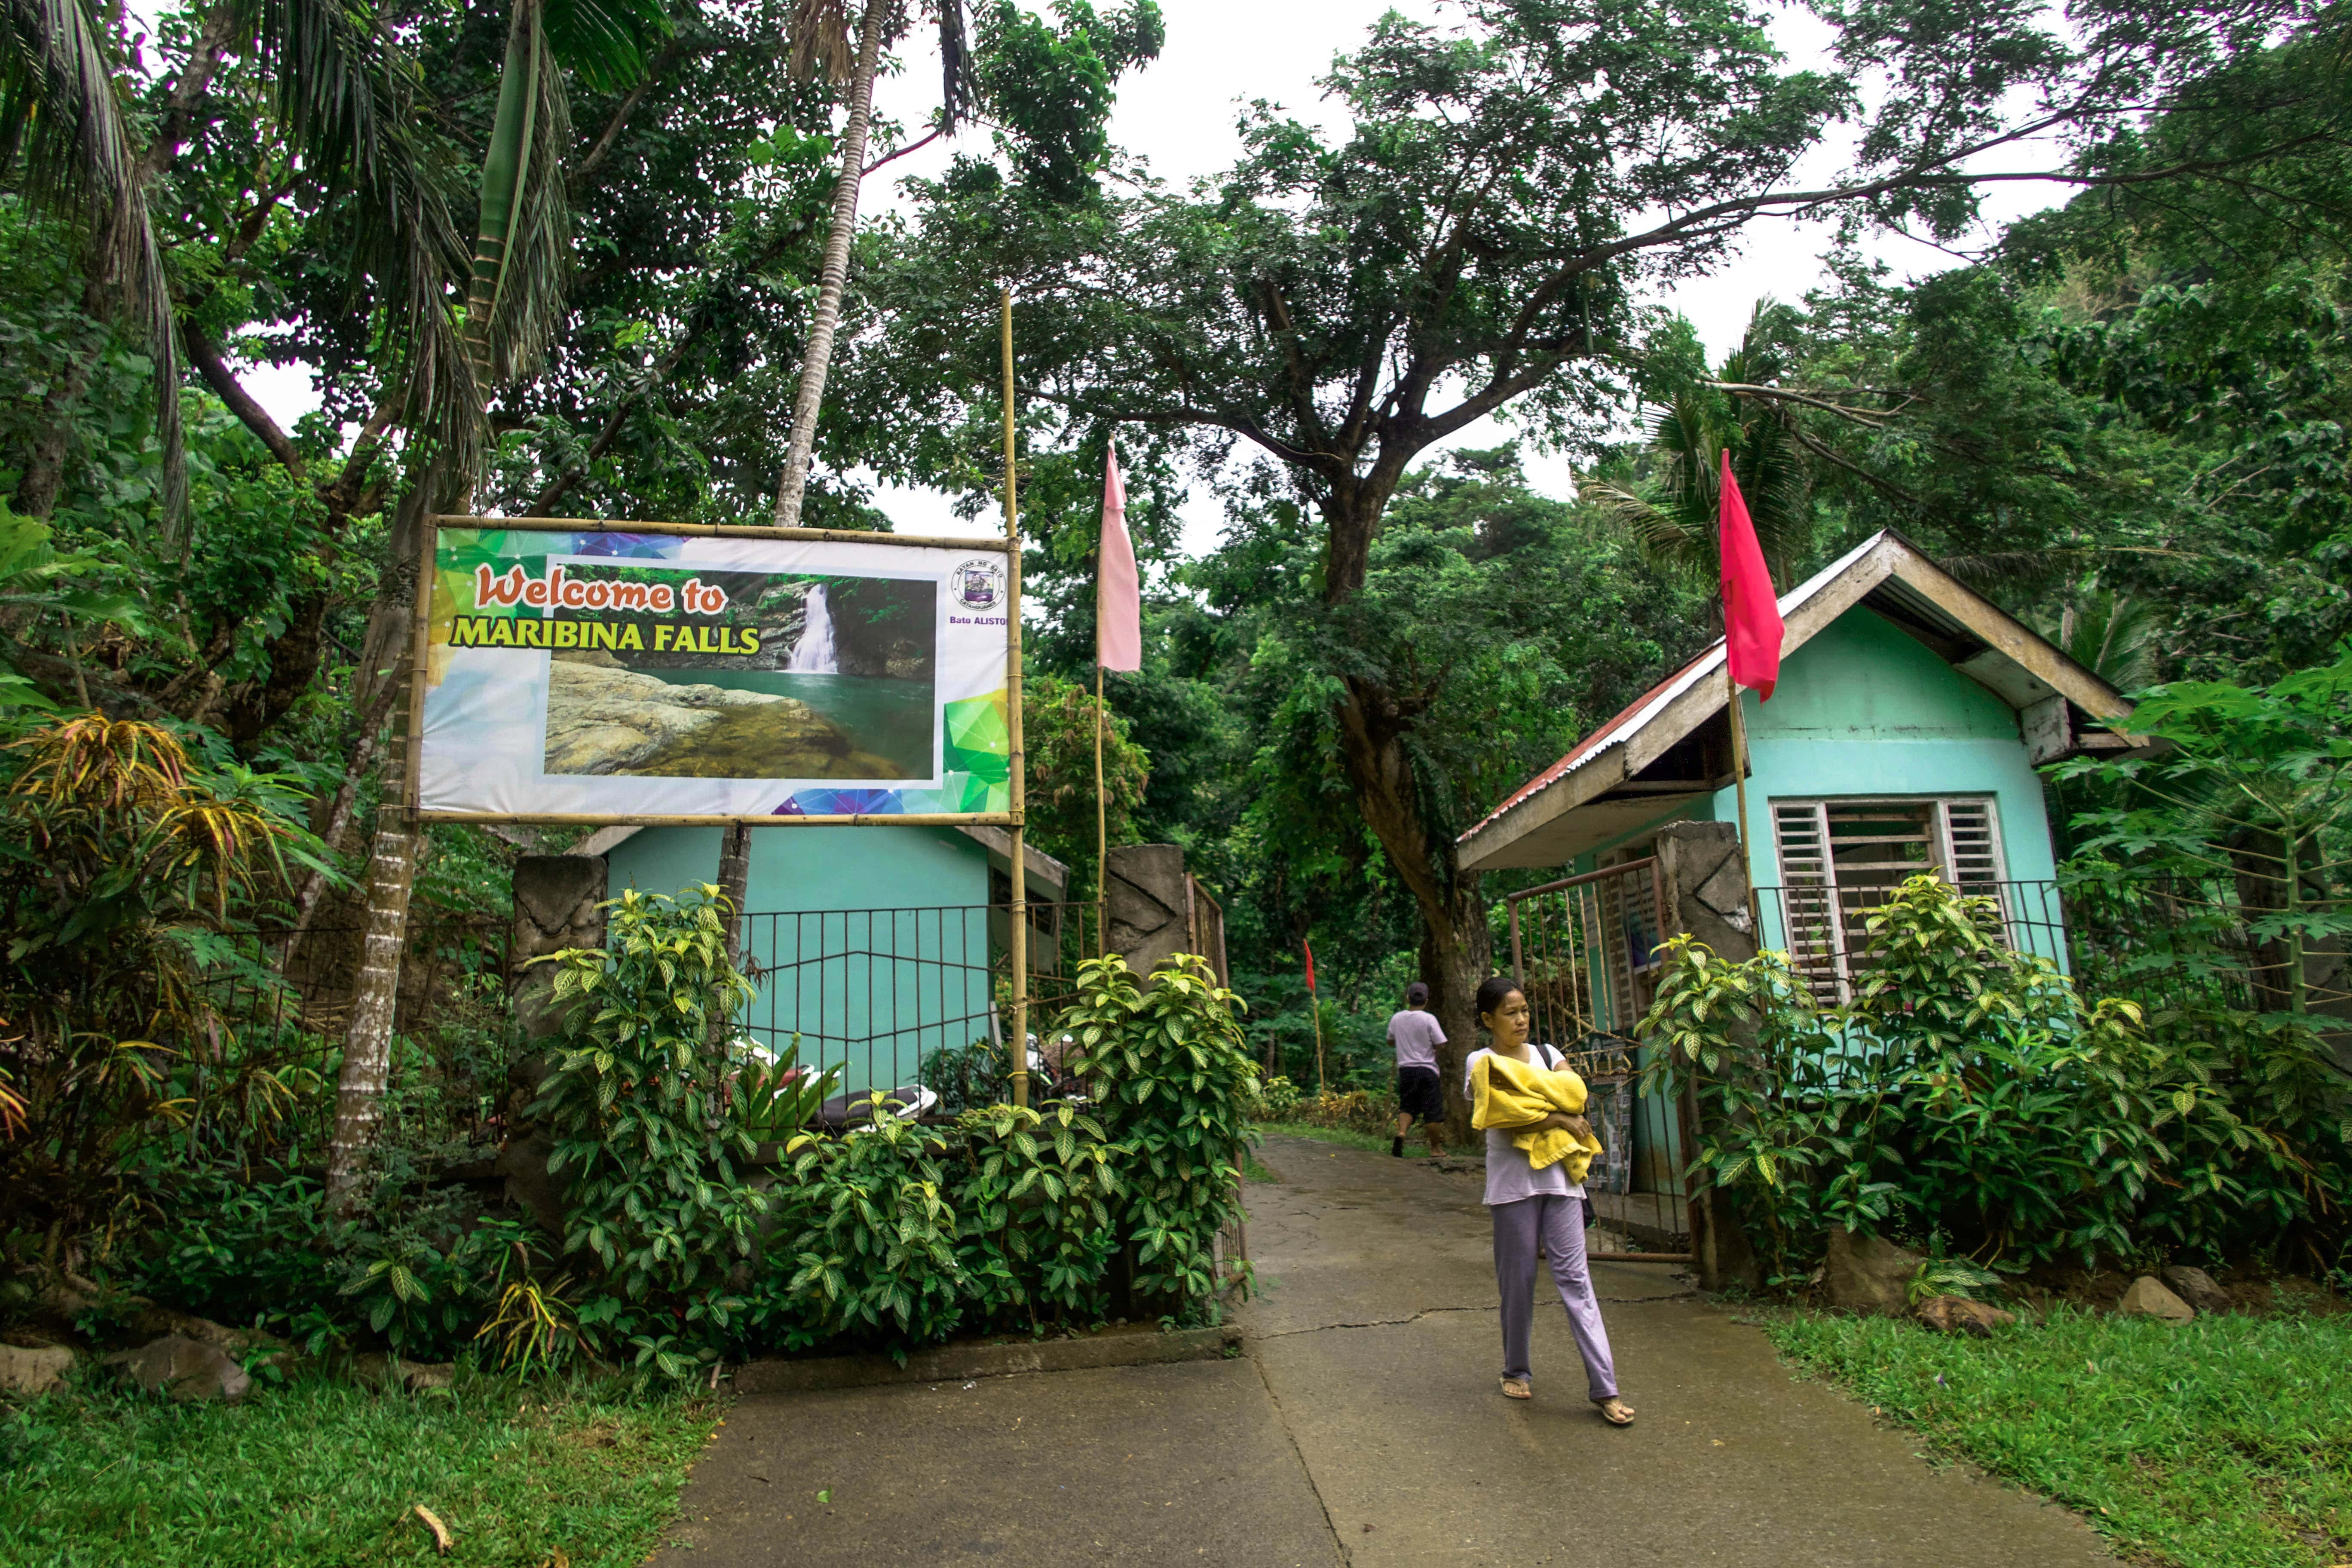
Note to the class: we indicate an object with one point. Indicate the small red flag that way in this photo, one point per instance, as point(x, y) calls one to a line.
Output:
point(1751, 610)
point(1310, 963)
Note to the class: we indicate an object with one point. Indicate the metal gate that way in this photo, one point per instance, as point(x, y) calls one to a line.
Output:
point(900, 997)
point(1586, 952)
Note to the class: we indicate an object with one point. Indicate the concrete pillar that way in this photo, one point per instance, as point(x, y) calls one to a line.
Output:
point(1706, 893)
point(555, 899)
point(1147, 894)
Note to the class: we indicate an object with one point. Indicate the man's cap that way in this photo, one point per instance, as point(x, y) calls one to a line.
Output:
point(1416, 992)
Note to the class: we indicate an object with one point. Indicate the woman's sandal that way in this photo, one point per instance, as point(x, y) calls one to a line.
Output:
point(1518, 1388)
point(1614, 1411)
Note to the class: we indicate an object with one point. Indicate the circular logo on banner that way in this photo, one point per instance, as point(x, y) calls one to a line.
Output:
point(978, 583)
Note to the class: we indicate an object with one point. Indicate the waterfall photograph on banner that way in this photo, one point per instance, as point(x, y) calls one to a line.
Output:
point(664, 675)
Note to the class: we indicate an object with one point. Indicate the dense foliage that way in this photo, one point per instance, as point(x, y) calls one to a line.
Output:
point(1176, 1088)
point(1967, 1099)
point(2124, 418)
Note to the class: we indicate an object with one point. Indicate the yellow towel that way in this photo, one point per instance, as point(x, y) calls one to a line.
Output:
point(1507, 1091)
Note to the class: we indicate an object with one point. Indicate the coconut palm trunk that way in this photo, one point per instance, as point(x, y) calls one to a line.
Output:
point(819, 357)
point(512, 303)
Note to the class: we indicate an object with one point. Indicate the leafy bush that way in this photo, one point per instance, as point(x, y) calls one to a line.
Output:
point(1174, 1081)
point(647, 1132)
point(868, 1238)
point(426, 1283)
point(264, 1253)
point(1279, 1098)
point(1034, 1193)
point(1348, 1110)
point(966, 1078)
point(2209, 878)
point(1966, 1089)
point(123, 863)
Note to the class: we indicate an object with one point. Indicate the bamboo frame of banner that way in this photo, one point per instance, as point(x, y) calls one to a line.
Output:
point(1102, 815)
point(1019, 941)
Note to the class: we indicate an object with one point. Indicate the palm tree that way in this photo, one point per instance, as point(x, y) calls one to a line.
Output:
point(821, 44)
point(339, 95)
point(514, 305)
point(2111, 635)
point(1673, 519)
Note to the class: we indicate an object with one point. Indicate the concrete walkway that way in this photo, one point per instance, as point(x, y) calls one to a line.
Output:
point(1364, 1428)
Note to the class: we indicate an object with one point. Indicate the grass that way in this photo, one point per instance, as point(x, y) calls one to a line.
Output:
point(2223, 1443)
point(1346, 1137)
point(320, 1474)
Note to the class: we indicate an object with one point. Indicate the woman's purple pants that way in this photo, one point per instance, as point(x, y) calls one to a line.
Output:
point(1558, 1223)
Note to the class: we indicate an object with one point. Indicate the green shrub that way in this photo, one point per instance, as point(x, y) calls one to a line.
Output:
point(648, 1135)
point(966, 1078)
point(426, 1284)
point(867, 1245)
point(1173, 1082)
point(1277, 1098)
point(1034, 1193)
point(1966, 1090)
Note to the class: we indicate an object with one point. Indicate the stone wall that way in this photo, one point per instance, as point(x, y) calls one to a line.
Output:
point(555, 899)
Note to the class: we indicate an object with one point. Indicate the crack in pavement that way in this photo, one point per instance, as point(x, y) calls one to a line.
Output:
point(1282, 1417)
point(1370, 1323)
point(1432, 1312)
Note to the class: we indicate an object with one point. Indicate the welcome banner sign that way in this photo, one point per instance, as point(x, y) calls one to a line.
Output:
point(651, 672)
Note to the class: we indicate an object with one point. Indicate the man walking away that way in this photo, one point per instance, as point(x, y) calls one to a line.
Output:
point(1417, 1037)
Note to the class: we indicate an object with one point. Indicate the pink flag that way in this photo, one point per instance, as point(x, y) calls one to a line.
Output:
point(1752, 611)
point(1118, 594)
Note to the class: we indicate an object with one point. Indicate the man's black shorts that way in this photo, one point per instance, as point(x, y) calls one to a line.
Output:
point(1418, 1094)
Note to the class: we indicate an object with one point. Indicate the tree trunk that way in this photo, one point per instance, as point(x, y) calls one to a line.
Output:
point(392, 855)
point(734, 886)
point(819, 357)
point(1455, 946)
point(375, 998)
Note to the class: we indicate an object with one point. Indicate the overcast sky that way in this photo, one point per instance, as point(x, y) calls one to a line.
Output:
point(1179, 114)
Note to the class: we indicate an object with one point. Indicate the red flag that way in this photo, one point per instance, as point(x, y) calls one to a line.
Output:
point(1751, 610)
point(1310, 963)
point(1119, 596)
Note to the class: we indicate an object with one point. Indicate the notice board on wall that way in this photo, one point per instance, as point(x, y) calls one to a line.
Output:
point(644, 671)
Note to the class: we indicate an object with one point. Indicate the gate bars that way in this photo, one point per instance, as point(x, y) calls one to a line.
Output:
point(1585, 950)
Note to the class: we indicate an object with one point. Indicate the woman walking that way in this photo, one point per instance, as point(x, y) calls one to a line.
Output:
point(1536, 1206)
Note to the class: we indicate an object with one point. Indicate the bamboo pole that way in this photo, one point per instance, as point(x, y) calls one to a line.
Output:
point(1315, 1012)
point(1020, 941)
point(1740, 785)
point(718, 531)
point(1102, 816)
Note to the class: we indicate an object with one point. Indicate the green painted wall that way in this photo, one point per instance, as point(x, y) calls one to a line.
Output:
point(871, 943)
point(1865, 710)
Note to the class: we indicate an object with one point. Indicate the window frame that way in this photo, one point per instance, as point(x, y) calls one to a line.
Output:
point(1804, 859)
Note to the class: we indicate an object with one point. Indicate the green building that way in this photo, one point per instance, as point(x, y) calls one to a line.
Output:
point(1902, 736)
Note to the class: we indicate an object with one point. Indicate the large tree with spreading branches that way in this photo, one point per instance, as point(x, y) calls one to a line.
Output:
point(1487, 233)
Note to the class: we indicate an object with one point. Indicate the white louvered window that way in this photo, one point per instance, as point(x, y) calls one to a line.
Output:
point(1840, 858)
